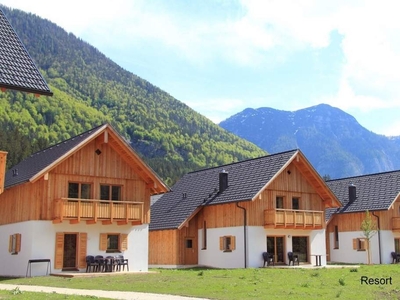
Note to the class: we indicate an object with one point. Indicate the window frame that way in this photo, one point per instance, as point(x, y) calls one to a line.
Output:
point(227, 243)
point(360, 244)
point(110, 192)
point(122, 242)
point(80, 184)
point(279, 202)
point(298, 203)
point(14, 243)
point(336, 237)
point(204, 237)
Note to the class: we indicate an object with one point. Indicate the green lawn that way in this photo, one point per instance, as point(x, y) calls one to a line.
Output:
point(326, 283)
point(19, 295)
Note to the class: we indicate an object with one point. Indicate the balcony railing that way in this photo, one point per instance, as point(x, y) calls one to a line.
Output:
point(288, 218)
point(396, 224)
point(91, 211)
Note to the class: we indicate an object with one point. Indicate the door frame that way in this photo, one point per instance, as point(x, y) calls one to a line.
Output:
point(76, 252)
point(275, 247)
point(308, 246)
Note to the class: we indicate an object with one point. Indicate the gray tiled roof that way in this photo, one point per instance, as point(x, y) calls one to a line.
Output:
point(245, 180)
point(42, 159)
point(17, 69)
point(374, 191)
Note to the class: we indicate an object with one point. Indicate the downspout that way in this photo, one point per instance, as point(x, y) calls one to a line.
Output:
point(245, 235)
point(379, 237)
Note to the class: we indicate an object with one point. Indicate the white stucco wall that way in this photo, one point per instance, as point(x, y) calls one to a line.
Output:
point(347, 254)
point(38, 241)
point(257, 244)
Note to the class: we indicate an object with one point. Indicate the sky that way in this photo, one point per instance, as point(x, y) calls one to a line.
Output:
point(220, 57)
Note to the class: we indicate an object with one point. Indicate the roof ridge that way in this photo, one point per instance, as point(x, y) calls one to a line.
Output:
point(242, 161)
point(365, 175)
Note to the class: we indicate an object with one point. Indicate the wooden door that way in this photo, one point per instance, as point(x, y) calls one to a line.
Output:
point(190, 251)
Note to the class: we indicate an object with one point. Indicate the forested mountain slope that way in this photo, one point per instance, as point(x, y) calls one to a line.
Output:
point(90, 89)
point(334, 142)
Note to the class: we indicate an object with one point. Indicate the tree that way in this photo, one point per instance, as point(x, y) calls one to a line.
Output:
point(369, 229)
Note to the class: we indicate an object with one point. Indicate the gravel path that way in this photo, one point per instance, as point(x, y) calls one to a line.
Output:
point(97, 293)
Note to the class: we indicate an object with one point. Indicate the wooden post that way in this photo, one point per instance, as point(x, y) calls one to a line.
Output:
point(3, 158)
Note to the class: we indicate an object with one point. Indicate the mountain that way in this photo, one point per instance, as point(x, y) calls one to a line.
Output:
point(334, 142)
point(90, 89)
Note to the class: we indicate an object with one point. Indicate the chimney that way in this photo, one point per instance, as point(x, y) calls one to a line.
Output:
point(352, 193)
point(3, 157)
point(223, 181)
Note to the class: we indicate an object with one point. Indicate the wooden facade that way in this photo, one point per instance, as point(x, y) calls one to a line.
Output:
point(40, 200)
point(3, 157)
point(167, 247)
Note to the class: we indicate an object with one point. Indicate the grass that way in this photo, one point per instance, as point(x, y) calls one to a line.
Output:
point(19, 295)
point(223, 284)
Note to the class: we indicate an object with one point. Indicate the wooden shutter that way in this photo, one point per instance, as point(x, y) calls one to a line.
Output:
point(355, 244)
point(103, 242)
point(233, 242)
point(82, 250)
point(362, 244)
point(17, 242)
point(59, 255)
point(221, 243)
point(123, 242)
point(10, 242)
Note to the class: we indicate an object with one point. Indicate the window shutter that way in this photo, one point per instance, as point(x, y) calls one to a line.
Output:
point(103, 242)
point(123, 242)
point(18, 242)
point(10, 242)
point(355, 242)
point(59, 255)
point(221, 243)
point(233, 242)
point(82, 250)
point(362, 244)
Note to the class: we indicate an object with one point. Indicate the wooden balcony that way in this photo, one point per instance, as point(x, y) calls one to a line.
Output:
point(395, 224)
point(297, 219)
point(91, 211)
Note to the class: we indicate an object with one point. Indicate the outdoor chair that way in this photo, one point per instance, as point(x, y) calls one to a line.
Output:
point(99, 259)
point(268, 258)
point(395, 257)
point(110, 264)
point(91, 263)
point(121, 262)
point(293, 258)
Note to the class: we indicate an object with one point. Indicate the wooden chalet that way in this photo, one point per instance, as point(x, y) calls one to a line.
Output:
point(380, 195)
point(89, 195)
point(228, 216)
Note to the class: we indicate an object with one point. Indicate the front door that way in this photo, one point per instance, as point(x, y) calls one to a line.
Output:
point(70, 247)
point(190, 251)
point(300, 247)
point(276, 246)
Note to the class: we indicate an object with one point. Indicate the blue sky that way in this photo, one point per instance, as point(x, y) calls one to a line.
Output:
point(220, 57)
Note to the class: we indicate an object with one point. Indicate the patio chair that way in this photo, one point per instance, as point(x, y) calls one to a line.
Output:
point(395, 257)
point(91, 263)
point(268, 258)
point(293, 258)
point(110, 264)
point(121, 262)
point(99, 259)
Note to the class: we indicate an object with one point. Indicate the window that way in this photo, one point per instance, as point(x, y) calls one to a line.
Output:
point(14, 245)
point(113, 242)
point(336, 238)
point(359, 244)
point(204, 247)
point(295, 203)
point(279, 202)
point(79, 190)
point(189, 243)
point(397, 245)
point(110, 192)
point(227, 243)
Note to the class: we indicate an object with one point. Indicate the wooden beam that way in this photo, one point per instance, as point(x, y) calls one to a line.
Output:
point(90, 222)
point(122, 222)
point(136, 223)
point(74, 221)
point(106, 222)
point(57, 221)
